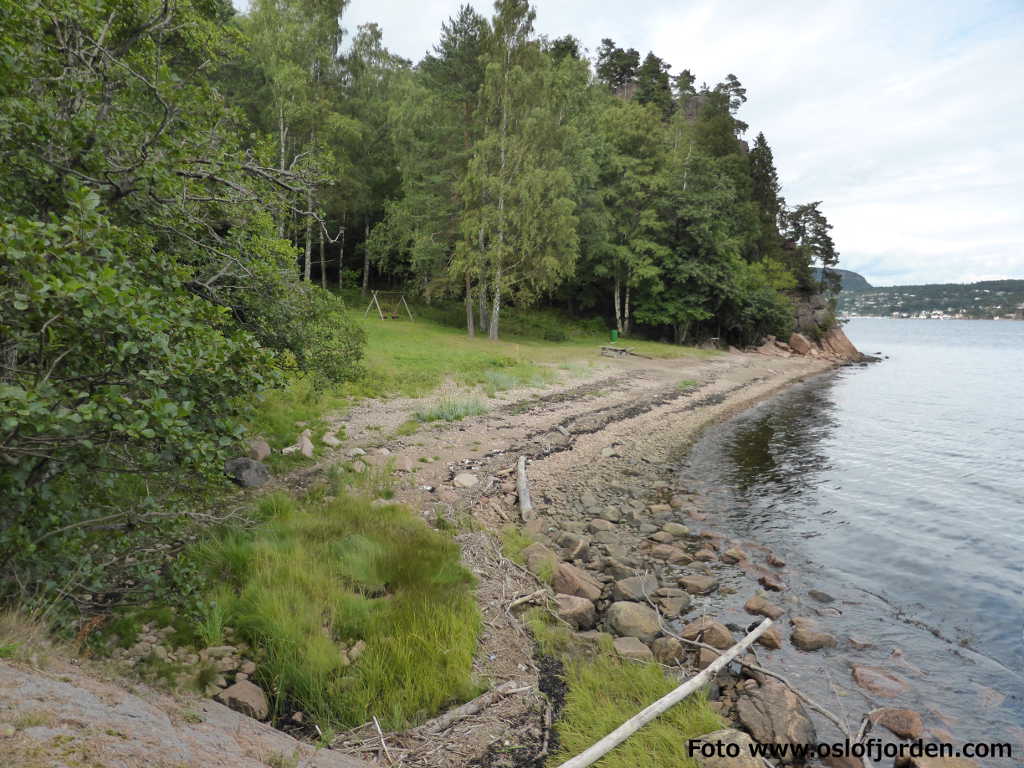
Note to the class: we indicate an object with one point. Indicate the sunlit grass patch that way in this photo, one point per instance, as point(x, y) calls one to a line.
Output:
point(318, 577)
point(606, 691)
point(452, 409)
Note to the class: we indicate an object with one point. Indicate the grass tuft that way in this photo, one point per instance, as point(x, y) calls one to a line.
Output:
point(321, 575)
point(452, 409)
point(606, 691)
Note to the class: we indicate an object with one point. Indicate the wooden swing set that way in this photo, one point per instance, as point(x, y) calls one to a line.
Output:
point(394, 306)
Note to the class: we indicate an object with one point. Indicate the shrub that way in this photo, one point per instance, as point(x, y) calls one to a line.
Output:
point(452, 409)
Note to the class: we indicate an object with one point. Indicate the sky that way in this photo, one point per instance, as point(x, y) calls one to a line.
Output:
point(904, 118)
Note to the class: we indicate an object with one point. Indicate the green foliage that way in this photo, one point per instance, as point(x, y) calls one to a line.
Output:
point(322, 575)
point(606, 691)
point(513, 542)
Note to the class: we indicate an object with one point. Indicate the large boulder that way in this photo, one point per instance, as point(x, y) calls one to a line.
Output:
point(667, 650)
point(247, 698)
point(808, 637)
point(576, 611)
point(773, 714)
point(247, 472)
point(799, 344)
point(636, 588)
point(725, 737)
point(570, 580)
point(634, 620)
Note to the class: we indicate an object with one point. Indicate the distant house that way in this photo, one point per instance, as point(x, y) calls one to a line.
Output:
point(1020, 313)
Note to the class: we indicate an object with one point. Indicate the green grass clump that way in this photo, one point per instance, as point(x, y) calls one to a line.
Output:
point(686, 384)
point(280, 413)
point(322, 574)
point(452, 409)
point(605, 691)
point(513, 542)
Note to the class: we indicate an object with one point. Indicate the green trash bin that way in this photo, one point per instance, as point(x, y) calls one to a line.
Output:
point(615, 336)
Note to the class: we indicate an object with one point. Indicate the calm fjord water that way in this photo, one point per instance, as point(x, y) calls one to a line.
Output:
point(899, 488)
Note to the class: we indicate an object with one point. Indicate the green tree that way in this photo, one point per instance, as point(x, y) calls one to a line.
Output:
point(518, 227)
point(652, 84)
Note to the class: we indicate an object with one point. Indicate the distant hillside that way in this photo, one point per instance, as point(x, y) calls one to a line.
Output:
point(851, 280)
point(991, 298)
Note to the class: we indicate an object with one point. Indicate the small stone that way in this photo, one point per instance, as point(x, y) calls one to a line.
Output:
point(697, 584)
point(259, 449)
point(662, 537)
point(771, 582)
point(594, 639)
point(672, 554)
point(879, 681)
point(905, 723)
point(733, 555)
point(305, 444)
point(714, 634)
point(356, 452)
point(599, 525)
point(632, 648)
point(298, 717)
point(704, 555)
point(674, 606)
point(330, 440)
point(570, 580)
point(241, 676)
point(219, 651)
point(247, 698)
point(776, 561)
point(807, 638)
point(860, 643)
point(771, 638)
point(611, 514)
point(588, 500)
point(246, 472)
point(357, 650)
point(540, 561)
point(658, 509)
point(758, 606)
point(633, 620)
point(573, 545)
point(576, 611)
point(705, 657)
point(637, 588)
point(667, 650)
point(465, 480)
point(821, 597)
point(675, 529)
point(358, 467)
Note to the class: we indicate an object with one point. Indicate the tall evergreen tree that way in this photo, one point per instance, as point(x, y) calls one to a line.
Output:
point(652, 84)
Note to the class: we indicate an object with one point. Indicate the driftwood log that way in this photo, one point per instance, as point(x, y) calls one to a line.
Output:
point(523, 489)
point(480, 703)
point(642, 718)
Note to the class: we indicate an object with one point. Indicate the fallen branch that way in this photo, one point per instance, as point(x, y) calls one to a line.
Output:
point(523, 487)
point(480, 703)
point(563, 430)
point(527, 598)
point(383, 744)
point(638, 721)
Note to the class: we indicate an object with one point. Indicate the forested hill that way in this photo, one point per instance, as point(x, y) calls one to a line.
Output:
point(990, 298)
point(848, 281)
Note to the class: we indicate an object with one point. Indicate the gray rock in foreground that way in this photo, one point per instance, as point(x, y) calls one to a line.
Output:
point(247, 472)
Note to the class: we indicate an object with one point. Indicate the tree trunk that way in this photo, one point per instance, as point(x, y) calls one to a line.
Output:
point(482, 288)
point(470, 330)
point(323, 261)
point(625, 319)
point(307, 266)
point(618, 306)
point(492, 330)
point(366, 259)
point(282, 132)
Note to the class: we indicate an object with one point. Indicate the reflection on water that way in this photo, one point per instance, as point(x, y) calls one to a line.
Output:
point(900, 488)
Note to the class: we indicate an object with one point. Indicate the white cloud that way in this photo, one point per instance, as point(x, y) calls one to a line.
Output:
point(902, 117)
